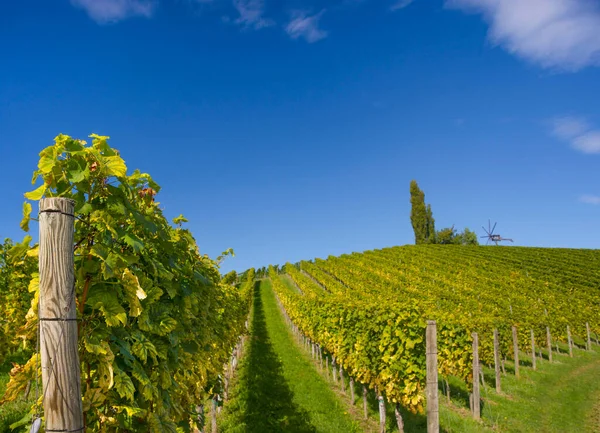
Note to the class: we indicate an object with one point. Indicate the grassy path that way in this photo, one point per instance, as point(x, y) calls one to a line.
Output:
point(277, 389)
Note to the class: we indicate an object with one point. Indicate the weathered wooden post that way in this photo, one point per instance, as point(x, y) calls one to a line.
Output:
point(352, 389)
point(333, 369)
point(199, 419)
point(381, 414)
point(588, 346)
point(365, 401)
point(433, 416)
point(61, 375)
point(516, 350)
point(476, 395)
point(569, 341)
point(399, 420)
point(549, 342)
point(533, 350)
point(213, 414)
point(342, 379)
point(497, 360)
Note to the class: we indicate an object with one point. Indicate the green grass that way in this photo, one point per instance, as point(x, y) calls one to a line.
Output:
point(277, 389)
point(563, 396)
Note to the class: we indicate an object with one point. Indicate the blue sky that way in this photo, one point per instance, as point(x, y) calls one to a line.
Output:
point(291, 129)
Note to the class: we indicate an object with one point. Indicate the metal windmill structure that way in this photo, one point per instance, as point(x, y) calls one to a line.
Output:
point(491, 237)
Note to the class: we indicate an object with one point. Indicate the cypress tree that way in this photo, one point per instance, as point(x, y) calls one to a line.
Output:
point(421, 216)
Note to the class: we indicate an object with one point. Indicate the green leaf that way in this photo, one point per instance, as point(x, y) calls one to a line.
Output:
point(17, 251)
point(180, 220)
point(134, 242)
point(36, 194)
point(72, 145)
point(108, 303)
point(78, 175)
point(26, 216)
point(167, 325)
point(144, 347)
point(124, 385)
point(85, 209)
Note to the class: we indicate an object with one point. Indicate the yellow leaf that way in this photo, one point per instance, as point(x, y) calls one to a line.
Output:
point(34, 284)
point(26, 215)
point(115, 166)
point(36, 194)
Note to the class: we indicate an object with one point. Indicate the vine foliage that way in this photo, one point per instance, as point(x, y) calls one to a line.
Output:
point(156, 324)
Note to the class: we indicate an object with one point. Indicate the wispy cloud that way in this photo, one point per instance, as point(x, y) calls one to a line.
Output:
point(578, 132)
point(590, 199)
point(252, 14)
point(110, 11)
point(400, 4)
point(559, 34)
point(588, 142)
point(304, 26)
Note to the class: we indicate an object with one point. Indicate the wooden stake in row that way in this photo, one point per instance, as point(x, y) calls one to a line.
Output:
point(433, 416)
point(476, 366)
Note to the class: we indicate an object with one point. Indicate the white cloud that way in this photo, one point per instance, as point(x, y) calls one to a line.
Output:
point(109, 11)
point(306, 27)
point(252, 14)
point(588, 142)
point(559, 34)
point(569, 127)
point(590, 199)
point(578, 132)
point(400, 4)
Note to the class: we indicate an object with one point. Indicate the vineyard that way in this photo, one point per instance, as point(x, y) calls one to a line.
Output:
point(368, 312)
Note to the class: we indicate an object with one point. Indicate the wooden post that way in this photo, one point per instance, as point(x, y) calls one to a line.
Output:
point(516, 350)
point(447, 390)
point(399, 420)
point(433, 416)
point(549, 342)
point(365, 401)
point(213, 414)
point(342, 379)
point(333, 370)
point(497, 360)
point(61, 374)
point(320, 357)
point(533, 350)
point(476, 396)
point(200, 419)
point(327, 365)
point(570, 341)
point(352, 390)
point(381, 414)
point(589, 337)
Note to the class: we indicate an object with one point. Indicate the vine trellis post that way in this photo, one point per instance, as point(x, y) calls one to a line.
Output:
point(433, 417)
point(61, 374)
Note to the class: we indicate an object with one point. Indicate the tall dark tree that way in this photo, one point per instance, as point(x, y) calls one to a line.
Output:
point(421, 216)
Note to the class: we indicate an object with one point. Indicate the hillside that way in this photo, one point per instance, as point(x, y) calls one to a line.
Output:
point(368, 312)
